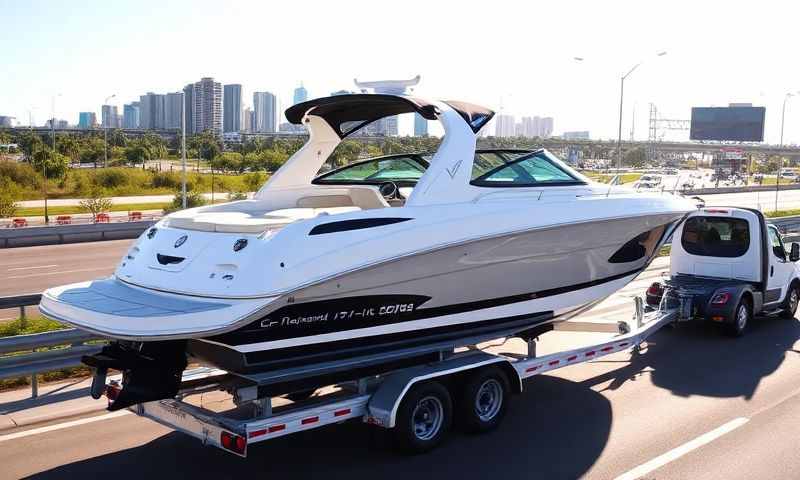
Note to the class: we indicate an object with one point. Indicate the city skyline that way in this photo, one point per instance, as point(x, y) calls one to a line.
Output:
point(699, 70)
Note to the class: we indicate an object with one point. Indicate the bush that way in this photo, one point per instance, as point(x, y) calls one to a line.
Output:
point(254, 181)
point(193, 199)
point(21, 174)
point(234, 196)
point(166, 180)
point(110, 178)
point(96, 203)
point(7, 206)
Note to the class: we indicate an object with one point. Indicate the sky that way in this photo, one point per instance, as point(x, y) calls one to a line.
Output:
point(517, 57)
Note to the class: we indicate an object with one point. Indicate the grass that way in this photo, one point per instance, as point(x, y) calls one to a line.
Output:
point(36, 325)
point(782, 213)
point(605, 177)
point(73, 209)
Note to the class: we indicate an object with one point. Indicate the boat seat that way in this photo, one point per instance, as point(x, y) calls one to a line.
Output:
point(243, 222)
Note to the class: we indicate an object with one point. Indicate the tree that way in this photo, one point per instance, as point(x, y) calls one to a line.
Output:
point(30, 143)
point(253, 181)
point(135, 154)
point(207, 145)
point(95, 203)
point(54, 163)
point(635, 158)
point(117, 138)
point(193, 199)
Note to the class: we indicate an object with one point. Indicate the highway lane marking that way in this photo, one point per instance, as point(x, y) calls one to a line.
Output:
point(30, 268)
point(61, 426)
point(682, 450)
point(60, 272)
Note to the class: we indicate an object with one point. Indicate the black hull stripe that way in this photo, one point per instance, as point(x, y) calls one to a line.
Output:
point(274, 359)
point(256, 333)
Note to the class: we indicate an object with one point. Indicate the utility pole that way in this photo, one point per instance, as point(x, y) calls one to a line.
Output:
point(183, 150)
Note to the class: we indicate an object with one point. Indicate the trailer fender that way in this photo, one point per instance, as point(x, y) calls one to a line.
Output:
point(383, 405)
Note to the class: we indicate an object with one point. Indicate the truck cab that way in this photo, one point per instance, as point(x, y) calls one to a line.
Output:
point(728, 265)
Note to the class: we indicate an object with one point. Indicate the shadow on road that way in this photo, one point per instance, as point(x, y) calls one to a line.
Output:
point(698, 359)
point(554, 416)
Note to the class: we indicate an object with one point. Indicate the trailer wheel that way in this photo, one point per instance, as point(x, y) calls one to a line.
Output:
point(741, 317)
point(792, 299)
point(423, 418)
point(484, 399)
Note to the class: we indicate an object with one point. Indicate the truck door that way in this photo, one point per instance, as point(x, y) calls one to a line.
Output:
point(780, 268)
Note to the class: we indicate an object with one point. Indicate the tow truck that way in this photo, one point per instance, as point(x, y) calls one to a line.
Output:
point(728, 266)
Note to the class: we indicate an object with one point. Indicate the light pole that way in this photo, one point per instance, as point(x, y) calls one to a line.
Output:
point(778, 172)
point(183, 150)
point(621, 96)
point(105, 131)
point(44, 160)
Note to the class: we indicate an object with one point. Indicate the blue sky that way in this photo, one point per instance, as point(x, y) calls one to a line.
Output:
point(509, 55)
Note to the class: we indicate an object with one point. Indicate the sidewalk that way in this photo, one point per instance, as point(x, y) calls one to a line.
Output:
point(68, 202)
point(55, 401)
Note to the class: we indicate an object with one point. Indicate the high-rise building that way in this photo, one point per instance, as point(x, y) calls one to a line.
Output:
point(248, 120)
point(188, 103)
point(547, 127)
point(152, 111)
point(420, 126)
point(265, 107)
point(504, 126)
point(207, 111)
point(172, 110)
point(130, 115)
point(300, 95)
point(109, 116)
point(232, 101)
point(87, 120)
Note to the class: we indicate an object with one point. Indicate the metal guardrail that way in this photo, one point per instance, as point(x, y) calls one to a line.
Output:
point(21, 355)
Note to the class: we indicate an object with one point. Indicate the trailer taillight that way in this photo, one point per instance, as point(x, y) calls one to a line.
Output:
point(721, 298)
point(232, 442)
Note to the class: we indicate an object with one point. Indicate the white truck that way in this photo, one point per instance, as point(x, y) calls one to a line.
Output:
point(728, 265)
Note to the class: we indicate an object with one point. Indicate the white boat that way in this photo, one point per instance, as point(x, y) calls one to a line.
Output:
point(364, 263)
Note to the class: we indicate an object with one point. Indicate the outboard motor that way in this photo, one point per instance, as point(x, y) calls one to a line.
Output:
point(150, 370)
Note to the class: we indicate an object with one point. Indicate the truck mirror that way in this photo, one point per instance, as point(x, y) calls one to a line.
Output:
point(794, 254)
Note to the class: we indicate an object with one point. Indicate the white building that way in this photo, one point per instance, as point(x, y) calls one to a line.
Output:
point(504, 126)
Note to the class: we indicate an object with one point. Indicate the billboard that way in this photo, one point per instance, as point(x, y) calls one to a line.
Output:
point(736, 124)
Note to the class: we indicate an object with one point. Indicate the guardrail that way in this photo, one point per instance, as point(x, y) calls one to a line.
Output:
point(21, 355)
point(92, 232)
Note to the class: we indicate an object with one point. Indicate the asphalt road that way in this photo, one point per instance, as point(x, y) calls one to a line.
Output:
point(694, 404)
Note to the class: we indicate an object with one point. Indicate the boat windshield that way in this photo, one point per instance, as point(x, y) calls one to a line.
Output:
point(394, 169)
point(534, 169)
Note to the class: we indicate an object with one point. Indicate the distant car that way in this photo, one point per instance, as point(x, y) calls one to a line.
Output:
point(671, 171)
point(650, 178)
point(788, 174)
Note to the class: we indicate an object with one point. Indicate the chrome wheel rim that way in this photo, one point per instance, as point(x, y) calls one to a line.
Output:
point(741, 317)
point(427, 418)
point(489, 400)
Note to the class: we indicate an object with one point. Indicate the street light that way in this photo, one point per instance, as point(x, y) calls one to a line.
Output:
point(105, 132)
point(183, 150)
point(621, 93)
point(44, 160)
point(783, 119)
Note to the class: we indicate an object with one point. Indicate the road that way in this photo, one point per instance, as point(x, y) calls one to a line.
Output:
point(695, 404)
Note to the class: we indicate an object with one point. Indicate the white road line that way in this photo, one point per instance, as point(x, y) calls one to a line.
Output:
point(682, 450)
point(60, 426)
point(60, 272)
point(30, 268)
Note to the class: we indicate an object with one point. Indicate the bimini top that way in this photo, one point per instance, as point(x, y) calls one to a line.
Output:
point(348, 113)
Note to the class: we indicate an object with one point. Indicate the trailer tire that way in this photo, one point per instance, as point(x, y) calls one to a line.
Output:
point(423, 418)
point(792, 299)
point(741, 317)
point(484, 400)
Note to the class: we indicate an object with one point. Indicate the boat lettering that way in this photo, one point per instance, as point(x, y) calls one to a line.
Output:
point(366, 312)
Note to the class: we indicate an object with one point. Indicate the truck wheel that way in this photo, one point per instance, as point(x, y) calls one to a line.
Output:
point(741, 317)
point(792, 299)
point(483, 401)
point(423, 418)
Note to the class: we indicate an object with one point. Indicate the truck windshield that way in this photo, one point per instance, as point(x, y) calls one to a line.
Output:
point(716, 236)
